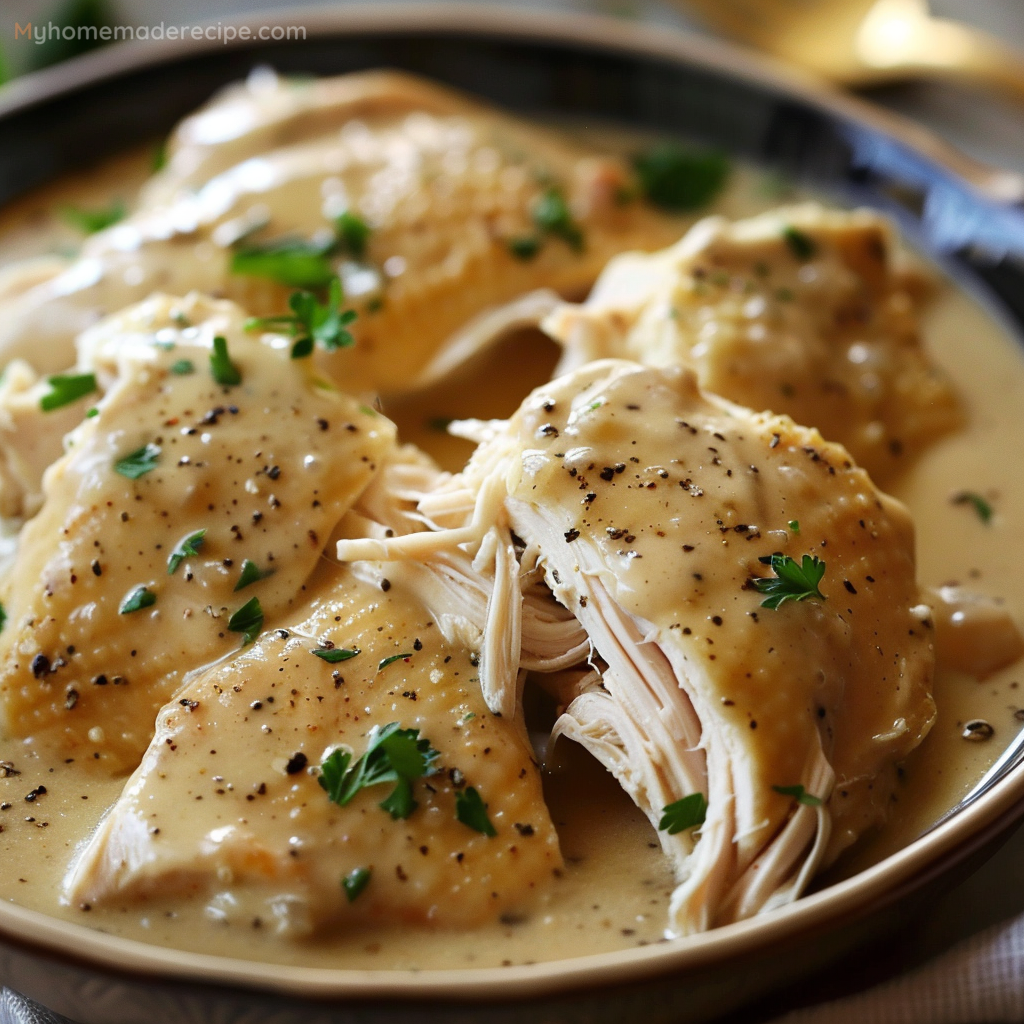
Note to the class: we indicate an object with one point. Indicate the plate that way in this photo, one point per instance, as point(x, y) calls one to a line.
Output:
point(593, 71)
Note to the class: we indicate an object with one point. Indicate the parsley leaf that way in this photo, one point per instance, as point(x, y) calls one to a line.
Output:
point(394, 657)
point(67, 388)
point(793, 581)
point(224, 371)
point(551, 214)
point(138, 462)
point(251, 573)
point(91, 221)
point(355, 882)
point(472, 812)
point(139, 598)
point(800, 795)
point(679, 179)
point(689, 812)
point(393, 755)
point(353, 233)
point(802, 246)
point(185, 548)
point(332, 655)
point(794, 525)
point(248, 621)
point(3, 617)
point(524, 247)
point(183, 367)
point(981, 506)
point(292, 262)
point(312, 322)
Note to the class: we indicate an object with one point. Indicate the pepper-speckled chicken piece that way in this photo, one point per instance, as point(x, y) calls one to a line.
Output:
point(228, 795)
point(466, 208)
point(804, 311)
point(180, 501)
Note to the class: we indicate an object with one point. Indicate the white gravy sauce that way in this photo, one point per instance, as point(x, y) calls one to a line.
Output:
point(614, 890)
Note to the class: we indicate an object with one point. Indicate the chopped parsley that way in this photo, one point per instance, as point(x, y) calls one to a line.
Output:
point(799, 794)
point(689, 812)
point(355, 882)
point(159, 158)
point(353, 234)
point(394, 657)
point(91, 221)
point(248, 621)
point(67, 388)
point(551, 214)
point(138, 462)
point(794, 525)
point(92, 413)
point(183, 367)
point(802, 246)
point(224, 371)
point(980, 505)
point(524, 247)
point(292, 262)
point(332, 655)
point(679, 179)
point(312, 322)
point(185, 548)
point(251, 573)
point(139, 598)
point(472, 812)
point(393, 755)
point(3, 617)
point(793, 581)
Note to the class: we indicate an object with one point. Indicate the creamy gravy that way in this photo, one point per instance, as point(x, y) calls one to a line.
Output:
point(616, 883)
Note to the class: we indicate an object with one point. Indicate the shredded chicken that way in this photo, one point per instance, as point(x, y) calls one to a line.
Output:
point(649, 507)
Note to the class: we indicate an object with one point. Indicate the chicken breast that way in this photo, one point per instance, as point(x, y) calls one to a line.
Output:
point(227, 805)
point(803, 311)
point(466, 208)
point(205, 482)
point(661, 517)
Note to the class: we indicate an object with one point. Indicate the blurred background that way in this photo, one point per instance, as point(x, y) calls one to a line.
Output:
point(984, 125)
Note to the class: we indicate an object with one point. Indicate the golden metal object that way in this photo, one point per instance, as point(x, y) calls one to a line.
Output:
point(869, 42)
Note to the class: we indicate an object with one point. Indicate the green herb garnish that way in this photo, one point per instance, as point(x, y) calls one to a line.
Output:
point(3, 617)
point(393, 754)
point(802, 246)
point(138, 462)
point(472, 812)
point(353, 234)
point(312, 322)
point(680, 179)
point(551, 214)
point(524, 247)
point(67, 388)
point(794, 525)
point(91, 413)
point(292, 262)
point(224, 371)
point(980, 505)
point(183, 367)
point(159, 159)
point(793, 581)
point(799, 794)
point(185, 548)
point(355, 882)
point(394, 657)
point(248, 621)
point(251, 573)
point(332, 655)
point(139, 598)
point(91, 221)
point(689, 812)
